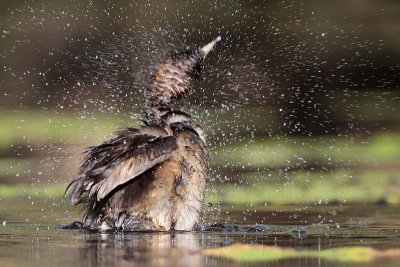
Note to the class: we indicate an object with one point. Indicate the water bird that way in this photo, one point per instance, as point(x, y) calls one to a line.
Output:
point(152, 178)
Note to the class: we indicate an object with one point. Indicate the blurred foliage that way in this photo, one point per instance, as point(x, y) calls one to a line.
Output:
point(325, 150)
point(279, 170)
point(311, 187)
point(42, 127)
point(38, 191)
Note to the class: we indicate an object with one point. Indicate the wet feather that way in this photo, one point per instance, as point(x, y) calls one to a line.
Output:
point(151, 178)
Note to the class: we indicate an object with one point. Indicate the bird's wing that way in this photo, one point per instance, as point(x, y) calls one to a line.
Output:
point(119, 160)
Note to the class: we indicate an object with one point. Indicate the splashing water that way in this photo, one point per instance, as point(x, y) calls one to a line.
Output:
point(299, 94)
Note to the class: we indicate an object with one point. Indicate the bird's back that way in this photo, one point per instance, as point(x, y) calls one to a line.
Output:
point(167, 196)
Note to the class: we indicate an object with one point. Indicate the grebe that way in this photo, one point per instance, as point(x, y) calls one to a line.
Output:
point(152, 178)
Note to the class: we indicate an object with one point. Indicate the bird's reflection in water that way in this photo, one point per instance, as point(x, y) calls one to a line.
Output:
point(143, 249)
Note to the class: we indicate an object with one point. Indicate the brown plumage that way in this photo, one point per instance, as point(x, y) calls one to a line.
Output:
point(151, 178)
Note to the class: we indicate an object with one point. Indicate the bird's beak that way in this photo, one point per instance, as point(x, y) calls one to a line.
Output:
point(208, 47)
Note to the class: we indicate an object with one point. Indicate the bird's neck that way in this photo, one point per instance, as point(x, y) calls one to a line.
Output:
point(171, 80)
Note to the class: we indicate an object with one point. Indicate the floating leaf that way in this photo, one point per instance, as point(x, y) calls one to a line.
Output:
point(246, 252)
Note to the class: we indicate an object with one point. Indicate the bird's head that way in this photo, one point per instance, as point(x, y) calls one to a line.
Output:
point(194, 58)
point(173, 78)
point(205, 50)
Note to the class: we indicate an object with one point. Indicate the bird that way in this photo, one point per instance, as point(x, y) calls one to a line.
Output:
point(151, 178)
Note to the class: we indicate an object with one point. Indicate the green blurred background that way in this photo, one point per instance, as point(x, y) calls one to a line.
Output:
point(300, 101)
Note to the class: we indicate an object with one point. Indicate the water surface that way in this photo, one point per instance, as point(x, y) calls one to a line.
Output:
point(29, 236)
